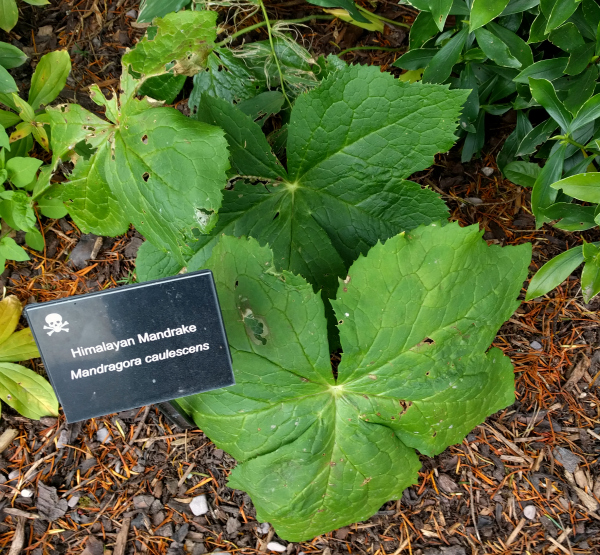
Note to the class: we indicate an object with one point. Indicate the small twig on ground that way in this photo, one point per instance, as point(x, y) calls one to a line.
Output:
point(515, 532)
point(7, 438)
point(19, 537)
point(473, 509)
point(558, 545)
point(138, 429)
point(19, 513)
point(121, 542)
point(186, 474)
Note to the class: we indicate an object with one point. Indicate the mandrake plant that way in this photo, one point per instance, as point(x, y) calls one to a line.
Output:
point(318, 242)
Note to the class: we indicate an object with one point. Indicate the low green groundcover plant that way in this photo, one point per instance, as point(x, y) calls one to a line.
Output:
point(9, 12)
point(25, 183)
point(319, 448)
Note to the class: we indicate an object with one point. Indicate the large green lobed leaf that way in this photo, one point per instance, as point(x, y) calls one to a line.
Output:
point(152, 167)
point(352, 143)
point(416, 319)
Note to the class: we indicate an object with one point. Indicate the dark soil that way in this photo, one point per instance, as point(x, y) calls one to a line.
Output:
point(526, 481)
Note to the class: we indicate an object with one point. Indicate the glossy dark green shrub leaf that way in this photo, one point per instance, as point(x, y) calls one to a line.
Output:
point(550, 70)
point(571, 217)
point(516, 45)
point(496, 49)
point(554, 272)
point(567, 37)
point(558, 11)
point(583, 186)
point(423, 28)
point(536, 136)
point(440, 67)
point(418, 58)
point(544, 193)
point(580, 58)
point(537, 31)
point(544, 94)
point(483, 11)
point(522, 173)
point(582, 89)
point(518, 6)
point(511, 145)
point(471, 108)
point(589, 112)
point(439, 9)
point(416, 373)
point(590, 277)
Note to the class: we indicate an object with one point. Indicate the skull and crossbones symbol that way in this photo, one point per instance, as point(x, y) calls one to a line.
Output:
point(55, 324)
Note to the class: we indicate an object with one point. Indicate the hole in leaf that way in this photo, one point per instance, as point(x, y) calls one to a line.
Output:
point(206, 219)
point(146, 176)
point(276, 216)
point(255, 327)
point(145, 139)
point(236, 284)
point(425, 342)
point(405, 406)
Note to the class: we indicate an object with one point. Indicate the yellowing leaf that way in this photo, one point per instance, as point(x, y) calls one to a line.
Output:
point(375, 24)
point(19, 346)
point(26, 391)
point(10, 312)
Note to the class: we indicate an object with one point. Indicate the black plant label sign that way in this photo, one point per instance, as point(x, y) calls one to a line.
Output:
point(133, 346)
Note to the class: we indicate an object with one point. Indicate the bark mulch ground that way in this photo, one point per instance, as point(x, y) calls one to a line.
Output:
point(525, 481)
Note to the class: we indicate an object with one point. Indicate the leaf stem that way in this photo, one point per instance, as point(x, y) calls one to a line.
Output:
point(380, 17)
point(385, 48)
point(264, 23)
point(567, 139)
point(266, 16)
